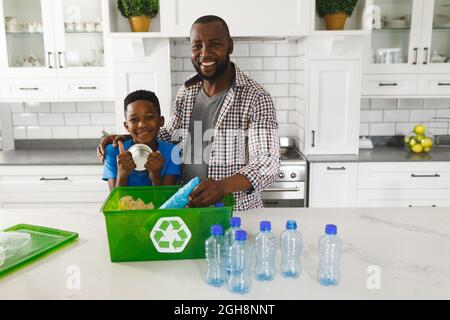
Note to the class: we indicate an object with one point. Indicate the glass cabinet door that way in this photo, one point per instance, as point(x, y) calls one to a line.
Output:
point(26, 40)
point(439, 51)
point(80, 35)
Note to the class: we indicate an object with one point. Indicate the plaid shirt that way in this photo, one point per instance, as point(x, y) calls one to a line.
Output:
point(245, 136)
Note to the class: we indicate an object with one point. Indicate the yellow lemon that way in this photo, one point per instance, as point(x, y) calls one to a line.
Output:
point(420, 137)
point(419, 129)
point(417, 148)
point(426, 143)
point(426, 149)
point(412, 141)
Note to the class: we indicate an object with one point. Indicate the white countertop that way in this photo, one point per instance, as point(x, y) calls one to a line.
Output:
point(411, 246)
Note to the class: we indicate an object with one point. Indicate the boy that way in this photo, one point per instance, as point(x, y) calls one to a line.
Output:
point(142, 120)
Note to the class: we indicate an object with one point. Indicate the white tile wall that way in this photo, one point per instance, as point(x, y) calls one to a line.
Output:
point(399, 116)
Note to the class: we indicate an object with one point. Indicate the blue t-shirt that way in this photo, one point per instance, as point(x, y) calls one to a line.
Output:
point(169, 152)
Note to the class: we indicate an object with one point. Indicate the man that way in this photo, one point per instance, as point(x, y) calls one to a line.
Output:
point(242, 154)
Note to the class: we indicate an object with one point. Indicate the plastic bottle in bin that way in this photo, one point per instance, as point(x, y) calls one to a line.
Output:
point(240, 280)
point(180, 198)
point(330, 251)
point(291, 248)
point(235, 224)
point(265, 247)
point(215, 253)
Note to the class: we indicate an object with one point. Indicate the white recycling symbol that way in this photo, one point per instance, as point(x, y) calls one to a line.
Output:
point(170, 235)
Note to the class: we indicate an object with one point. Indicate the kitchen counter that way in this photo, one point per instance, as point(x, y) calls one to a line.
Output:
point(386, 154)
point(49, 157)
point(410, 246)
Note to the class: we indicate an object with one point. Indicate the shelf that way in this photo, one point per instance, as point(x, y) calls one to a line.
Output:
point(392, 29)
point(84, 32)
point(340, 32)
point(24, 33)
point(137, 35)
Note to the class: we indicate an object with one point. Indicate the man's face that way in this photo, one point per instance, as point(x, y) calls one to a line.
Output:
point(143, 121)
point(210, 49)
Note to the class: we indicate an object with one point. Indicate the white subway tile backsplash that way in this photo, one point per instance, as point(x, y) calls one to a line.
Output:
point(39, 132)
point(241, 49)
point(108, 106)
point(443, 115)
point(90, 106)
point(396, 115)
point(176, 64)
point(371, 116)
point(24, 119)
point(382, 129)
point(20, 132)
point(63, 107)
point(295, 117)
point(90, 132)
point(263, 77)
point(287, 130)
point(262, 49)
point(17, 107)
point(187, 65)
point(110, 129)
point(285, 76)
point(182, 49)
point(51, 119)
point(422, 115)
point(37, 107)
point(364, 129)
point(297, 90)
point(103, 118)
point(283, 49)
point(77, 118)
point(283, 116)
point(277, 90)
point(283, 104)
point(410, 104)
point(300, 77)
point(383, 104)
point(250, 63)
point(365, 104)
point(404, 128)
point(66, 132)
point(296, 63)
point(437, 103)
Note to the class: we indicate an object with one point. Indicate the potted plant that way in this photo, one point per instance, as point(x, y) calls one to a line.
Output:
point(335, 12)
point(139, 13)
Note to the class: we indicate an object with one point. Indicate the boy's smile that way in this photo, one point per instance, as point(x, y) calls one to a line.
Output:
point(143, 122)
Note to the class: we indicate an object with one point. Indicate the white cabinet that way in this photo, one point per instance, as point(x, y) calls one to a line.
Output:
point(333, 184)
point(244, 18)
point(334, 106)
point(54, 41)
point(32, 186)
point(412, 46)
point(404, 184)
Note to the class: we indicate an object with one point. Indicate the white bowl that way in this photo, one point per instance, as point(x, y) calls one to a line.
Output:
point(140, 153)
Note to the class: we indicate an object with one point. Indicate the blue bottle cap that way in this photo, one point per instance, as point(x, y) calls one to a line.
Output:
point(235, 222)
point(330, 229)
point(265, 226)
point(216, 230)
point(291, 225)
point(219, 204)
point(240, 235)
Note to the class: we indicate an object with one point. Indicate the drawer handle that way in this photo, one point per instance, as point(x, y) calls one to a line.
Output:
point(425, 50)
point(313, 138)
point(27, 89)
point(54, 179)
point(433, 206)
point(415, 56)
point(444, 84)
point(333, 168)
point(425, 175)
point(87, 88)
point(394, 84)
point(281, 189)
point(59, 60)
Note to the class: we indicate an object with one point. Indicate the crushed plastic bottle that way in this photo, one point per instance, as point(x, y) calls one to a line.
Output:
point(2, 256)
point(180, 198)
point(12, 241)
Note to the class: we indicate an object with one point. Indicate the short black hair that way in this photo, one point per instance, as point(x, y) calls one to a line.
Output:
point(149, 96)
point(212, 18)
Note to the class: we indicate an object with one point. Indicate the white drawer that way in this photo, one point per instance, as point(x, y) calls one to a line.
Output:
point(387, 84)
point(404, 198)
point(438, 84)
point(28, 89)
point(404, 175)
point(86, 88)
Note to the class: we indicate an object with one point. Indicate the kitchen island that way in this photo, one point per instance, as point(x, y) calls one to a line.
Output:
point(401, 253)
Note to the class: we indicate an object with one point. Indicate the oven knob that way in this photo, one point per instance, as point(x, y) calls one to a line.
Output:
point(281, 175)
point(293, 175)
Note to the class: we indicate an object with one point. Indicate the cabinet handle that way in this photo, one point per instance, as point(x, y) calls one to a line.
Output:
point(433, 206)
point(49, 55)
point(313, 138)
point(334, 168)
point(87, 88)
point(444, 84)
point(393, 84)
point(425, 175)
point(54, 179)
point(415, 56)
point(27, 89)
point(59, 59)
point(425, 50)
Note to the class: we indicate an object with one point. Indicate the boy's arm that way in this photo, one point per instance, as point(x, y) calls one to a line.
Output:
point(169, 180)
point(111, 184)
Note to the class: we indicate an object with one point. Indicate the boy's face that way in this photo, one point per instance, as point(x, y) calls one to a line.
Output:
point(143, 121)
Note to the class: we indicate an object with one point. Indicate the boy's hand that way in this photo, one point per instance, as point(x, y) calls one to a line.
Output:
point(125, 163)
point(108, 140)
point(154, 165)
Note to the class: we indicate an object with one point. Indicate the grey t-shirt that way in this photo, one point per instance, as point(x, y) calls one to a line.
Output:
point(201, 131)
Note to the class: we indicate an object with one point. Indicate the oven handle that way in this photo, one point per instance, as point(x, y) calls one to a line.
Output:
point(281, 189)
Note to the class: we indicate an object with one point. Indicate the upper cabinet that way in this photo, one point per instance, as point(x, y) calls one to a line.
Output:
point(56, 40)
point(245, 18)
point(408, 50)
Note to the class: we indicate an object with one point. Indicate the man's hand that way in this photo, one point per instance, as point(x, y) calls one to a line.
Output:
point(108, 140)
point(208, 192)
point(125, 164)
point(154, 165)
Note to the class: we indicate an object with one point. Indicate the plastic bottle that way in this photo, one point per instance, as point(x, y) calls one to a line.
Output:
point(215, 253)
point(265, 247)
point(330, 251)
point(291, 248)
point(180, 198)
point(240, 280)
point(2, 256)
point(235, 224)
point(12, 241)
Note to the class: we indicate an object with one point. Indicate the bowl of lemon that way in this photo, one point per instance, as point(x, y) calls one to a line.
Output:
point(420, 140)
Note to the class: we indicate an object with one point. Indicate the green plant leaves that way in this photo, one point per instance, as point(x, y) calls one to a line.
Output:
point(135, 8)
point(334, 6)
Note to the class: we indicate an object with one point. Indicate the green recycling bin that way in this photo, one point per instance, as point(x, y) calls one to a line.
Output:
point(159, 234)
